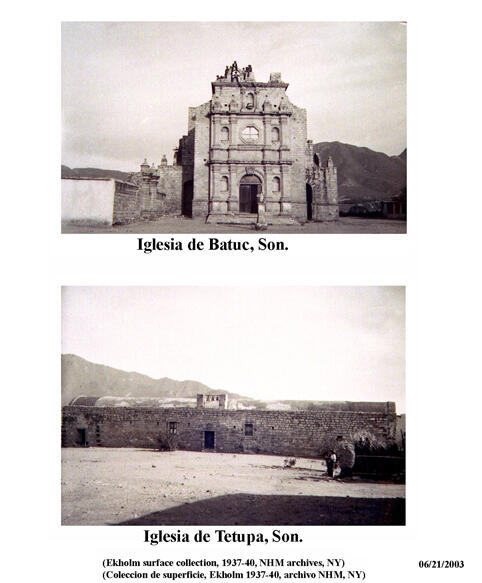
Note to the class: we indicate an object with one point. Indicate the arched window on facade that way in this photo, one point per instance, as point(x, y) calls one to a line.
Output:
point(316, 160)
point(249, 101)
point(275, 135)
point(224, 134)
point(276, 184)
point(224, 184)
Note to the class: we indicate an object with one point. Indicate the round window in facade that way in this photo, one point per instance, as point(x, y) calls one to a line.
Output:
point(250, 134)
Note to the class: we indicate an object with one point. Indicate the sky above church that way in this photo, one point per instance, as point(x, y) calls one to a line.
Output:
point(314, 343)
point(126, 87)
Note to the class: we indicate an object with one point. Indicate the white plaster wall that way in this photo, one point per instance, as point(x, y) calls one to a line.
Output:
point(88, 200)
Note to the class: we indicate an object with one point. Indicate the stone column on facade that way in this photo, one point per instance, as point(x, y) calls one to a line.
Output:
point(242, 98)
point(214, 119)
point(214, 188)
point(233, 203)
point(267, 136)
point(233, 129)
point(218, 198)
point(285, 203)
point(211, 188)
point(283, 129)
point(268, 195)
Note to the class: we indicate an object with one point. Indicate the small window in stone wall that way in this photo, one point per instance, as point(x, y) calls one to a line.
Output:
point(275, 135)
point(224, 186)
point(224, 134)
point(172, 427)
point(248, 429)
point(276, 184)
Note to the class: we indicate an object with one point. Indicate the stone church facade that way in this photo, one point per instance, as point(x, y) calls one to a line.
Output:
point(244, 147)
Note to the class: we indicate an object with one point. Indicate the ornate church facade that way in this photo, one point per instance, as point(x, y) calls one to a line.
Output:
point(244, 147)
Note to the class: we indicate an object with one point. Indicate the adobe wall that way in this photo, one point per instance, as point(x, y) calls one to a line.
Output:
point(88, 200)
point(273, 432)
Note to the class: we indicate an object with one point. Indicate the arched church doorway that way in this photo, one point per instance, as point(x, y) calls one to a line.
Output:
point(186, 203)
point(249, 188)
point(309, 202)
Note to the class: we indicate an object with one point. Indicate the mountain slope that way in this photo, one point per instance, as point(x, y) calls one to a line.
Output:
point(364, 174)
point(67, 172)
point(81, 377)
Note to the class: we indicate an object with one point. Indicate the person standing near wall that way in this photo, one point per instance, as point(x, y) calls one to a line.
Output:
point(331, 464)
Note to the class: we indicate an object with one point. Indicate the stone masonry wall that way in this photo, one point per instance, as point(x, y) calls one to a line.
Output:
point(201, 122)
point(126, 203)
point(297, 192)
point(273, 432)
point(169, 187)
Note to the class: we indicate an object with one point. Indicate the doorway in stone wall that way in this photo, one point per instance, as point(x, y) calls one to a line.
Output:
point(249, 188)
point(186, 202)
point(209, 440)
point(82, 437)
point(309, 202)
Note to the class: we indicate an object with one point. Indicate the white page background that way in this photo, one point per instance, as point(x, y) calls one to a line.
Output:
point(438, 261)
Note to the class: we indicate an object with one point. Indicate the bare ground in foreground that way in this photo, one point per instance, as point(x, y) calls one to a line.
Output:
point(181, 225)
point(108, 486)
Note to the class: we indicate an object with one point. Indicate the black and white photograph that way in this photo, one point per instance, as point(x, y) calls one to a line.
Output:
point(234, 127)
point(233, 405)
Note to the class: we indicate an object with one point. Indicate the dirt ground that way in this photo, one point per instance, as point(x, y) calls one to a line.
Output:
point(108, 486)
point(181, 225)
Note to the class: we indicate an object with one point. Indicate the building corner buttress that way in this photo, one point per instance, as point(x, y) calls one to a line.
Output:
point(322, 182)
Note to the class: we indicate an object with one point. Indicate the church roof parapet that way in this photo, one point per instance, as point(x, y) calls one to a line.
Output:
point(234, 76)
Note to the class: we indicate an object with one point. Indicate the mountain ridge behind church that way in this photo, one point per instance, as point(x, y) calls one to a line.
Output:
point(363, 174)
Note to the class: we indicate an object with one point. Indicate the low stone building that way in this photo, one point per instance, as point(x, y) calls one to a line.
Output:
point(396, 208)
point(211, 426)
point(246, 145)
